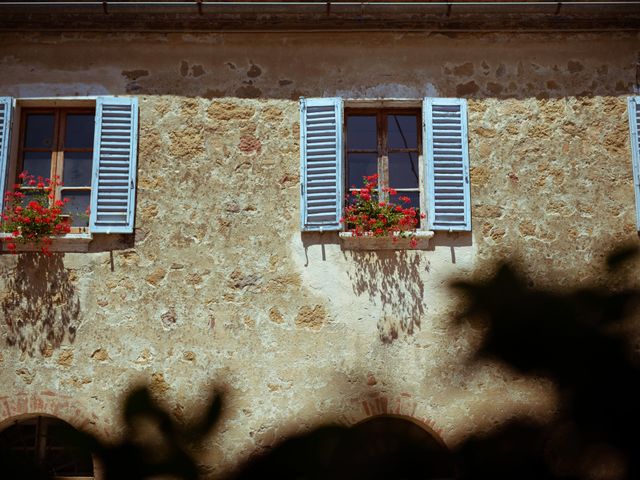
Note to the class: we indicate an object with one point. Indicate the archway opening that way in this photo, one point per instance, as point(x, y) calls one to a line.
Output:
point(386, 447)
point(42, 447)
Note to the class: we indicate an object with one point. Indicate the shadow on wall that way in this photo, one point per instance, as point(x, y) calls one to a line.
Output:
point(390, 278)
point(583, 339)
point(41, 305)
point(393, 279)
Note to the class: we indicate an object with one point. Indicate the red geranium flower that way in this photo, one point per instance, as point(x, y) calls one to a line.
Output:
point(366, 215)
point(38, 219)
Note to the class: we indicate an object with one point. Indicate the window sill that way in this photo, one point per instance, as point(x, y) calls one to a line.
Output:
point(72, 242)
point(351, 242)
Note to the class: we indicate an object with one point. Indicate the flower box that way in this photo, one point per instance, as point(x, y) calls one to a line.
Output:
point(33, 216)
point(373, 222)
point(71, 242)
point(350, 241)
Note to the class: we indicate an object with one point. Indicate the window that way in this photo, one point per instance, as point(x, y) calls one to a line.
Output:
point(421, 152)
point(387, 143)
point(59, 142)
point(39, 447)
point(91, 144)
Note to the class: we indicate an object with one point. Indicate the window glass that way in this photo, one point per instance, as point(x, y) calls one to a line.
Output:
point(361, 165)
point(414, 199)
point(361, 133)
point(77, 205)
point(39, 130)
point(37, 164)
point(31, 194)
point(77, 169)
point(403, 170)
point(402, 131)
point(80, 128)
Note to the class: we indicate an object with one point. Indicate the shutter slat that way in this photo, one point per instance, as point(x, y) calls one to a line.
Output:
point(115, 158)
point(447, 164)
point(321, 164)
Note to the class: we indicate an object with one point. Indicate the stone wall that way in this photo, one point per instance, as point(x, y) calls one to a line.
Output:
point(219, 285)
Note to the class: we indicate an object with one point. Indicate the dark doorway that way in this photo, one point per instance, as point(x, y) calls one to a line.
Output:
point(386, 447)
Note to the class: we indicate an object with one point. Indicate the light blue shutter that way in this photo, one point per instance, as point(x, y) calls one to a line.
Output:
point(6, 109)
point(321, 164)
point(447, 164)
point(114, 165)
point(634, 124)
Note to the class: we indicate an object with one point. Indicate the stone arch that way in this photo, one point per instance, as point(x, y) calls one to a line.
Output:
point(50, 404)
point(402, 405)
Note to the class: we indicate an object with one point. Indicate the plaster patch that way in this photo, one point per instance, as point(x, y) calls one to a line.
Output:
point(248, 91)
point(254, 71)
point(135, 74)
point(34, 90)
point(184, 68)
point(389, 90)
point(197, 70)
point(468, 88)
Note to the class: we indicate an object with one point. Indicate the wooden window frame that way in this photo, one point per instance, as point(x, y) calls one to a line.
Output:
point(383, 151)
point(57, 149)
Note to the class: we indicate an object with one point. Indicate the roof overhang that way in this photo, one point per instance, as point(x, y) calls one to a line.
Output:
point(208, 16)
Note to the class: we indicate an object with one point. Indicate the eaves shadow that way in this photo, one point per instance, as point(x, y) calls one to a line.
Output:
point(41, 305)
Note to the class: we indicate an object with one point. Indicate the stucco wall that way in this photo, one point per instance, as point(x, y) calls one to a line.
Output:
point(220, 285)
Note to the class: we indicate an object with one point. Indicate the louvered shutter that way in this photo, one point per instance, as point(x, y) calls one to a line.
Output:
point(114, 165)
point(321, 163)
point(447, 164)
point(6, 109)
point(634, 124)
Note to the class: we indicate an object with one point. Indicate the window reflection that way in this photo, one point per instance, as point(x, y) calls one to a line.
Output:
point(77, 205)
point(39, 130)
point(79, 130)
point(77, 168)
point(361, 165)
point(37, 164)
point(403, 170)
point(361, 133)
point(402, 131)
point(414, 199)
